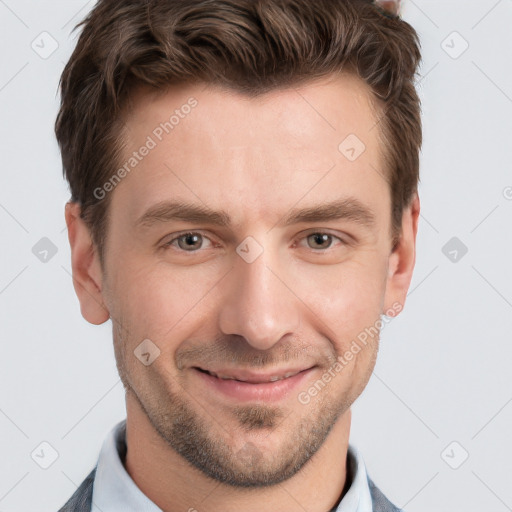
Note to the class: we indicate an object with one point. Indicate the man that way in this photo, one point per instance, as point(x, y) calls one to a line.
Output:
point(244, 209)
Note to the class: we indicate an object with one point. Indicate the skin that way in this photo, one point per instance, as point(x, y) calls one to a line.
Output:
point(301, 302)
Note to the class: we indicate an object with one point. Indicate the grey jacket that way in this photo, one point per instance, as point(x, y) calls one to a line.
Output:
point(82, 498)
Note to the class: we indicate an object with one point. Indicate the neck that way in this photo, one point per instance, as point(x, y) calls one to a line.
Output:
point(173, 484)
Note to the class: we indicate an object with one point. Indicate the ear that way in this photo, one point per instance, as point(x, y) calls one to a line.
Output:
point(86, 267)
point(401, 261)
point(390, 6)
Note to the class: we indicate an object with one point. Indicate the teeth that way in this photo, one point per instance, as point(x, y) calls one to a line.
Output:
point(274, 378)
point(225, 377)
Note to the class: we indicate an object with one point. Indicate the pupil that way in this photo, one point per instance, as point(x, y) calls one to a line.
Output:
point(319, 238)
point(190, 239)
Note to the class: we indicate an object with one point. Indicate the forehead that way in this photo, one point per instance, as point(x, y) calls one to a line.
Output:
point(208, 143)
point(335, 104)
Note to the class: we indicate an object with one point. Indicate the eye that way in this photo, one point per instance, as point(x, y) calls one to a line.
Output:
point(322, 241)
point(193, 241)
point(188, 242)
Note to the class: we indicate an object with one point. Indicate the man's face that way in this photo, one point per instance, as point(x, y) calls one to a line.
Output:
point(260, 294)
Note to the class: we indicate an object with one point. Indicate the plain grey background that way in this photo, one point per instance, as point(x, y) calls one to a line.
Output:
point(434, 423)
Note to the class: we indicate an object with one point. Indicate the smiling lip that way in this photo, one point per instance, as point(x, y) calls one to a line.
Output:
point(252, 377)
point(244, 385)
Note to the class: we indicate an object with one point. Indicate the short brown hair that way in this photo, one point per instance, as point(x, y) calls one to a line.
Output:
point(252, 46)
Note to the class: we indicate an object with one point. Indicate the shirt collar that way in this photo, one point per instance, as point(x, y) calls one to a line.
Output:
point(358, 497)
point(115, 490)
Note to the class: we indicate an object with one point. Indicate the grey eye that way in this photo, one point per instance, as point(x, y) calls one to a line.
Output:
point(320, 239)
point(191, 241)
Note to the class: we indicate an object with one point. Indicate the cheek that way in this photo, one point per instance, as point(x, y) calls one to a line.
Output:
point(346, 297)
point(157, 301)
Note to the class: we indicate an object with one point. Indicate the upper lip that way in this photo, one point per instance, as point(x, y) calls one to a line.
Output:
point(253, 377)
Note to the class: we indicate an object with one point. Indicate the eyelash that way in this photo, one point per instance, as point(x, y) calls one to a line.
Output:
point(171, 242)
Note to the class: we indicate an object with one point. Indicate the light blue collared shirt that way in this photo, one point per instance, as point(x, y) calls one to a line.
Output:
point(115, 491)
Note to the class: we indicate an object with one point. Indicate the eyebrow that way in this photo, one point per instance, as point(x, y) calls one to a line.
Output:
point(348, 208)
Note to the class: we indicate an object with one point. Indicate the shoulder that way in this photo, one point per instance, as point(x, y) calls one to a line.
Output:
point(380, 502)
point(82, 498)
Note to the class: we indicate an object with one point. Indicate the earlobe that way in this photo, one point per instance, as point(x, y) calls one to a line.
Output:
point(86, 267)
point(401, 261)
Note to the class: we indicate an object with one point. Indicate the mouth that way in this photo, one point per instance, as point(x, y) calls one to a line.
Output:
point(252, 378)
point(246, 386)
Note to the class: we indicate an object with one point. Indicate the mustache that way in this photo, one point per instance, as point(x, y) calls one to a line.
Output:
point(234, 350)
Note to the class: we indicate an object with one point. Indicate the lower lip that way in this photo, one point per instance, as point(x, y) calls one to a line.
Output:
point(266, 391)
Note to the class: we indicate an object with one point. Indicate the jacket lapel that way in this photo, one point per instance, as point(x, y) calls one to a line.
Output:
point(380, 502)
point(81, 500)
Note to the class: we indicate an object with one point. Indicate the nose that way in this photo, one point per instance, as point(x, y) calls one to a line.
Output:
point(257, 303)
